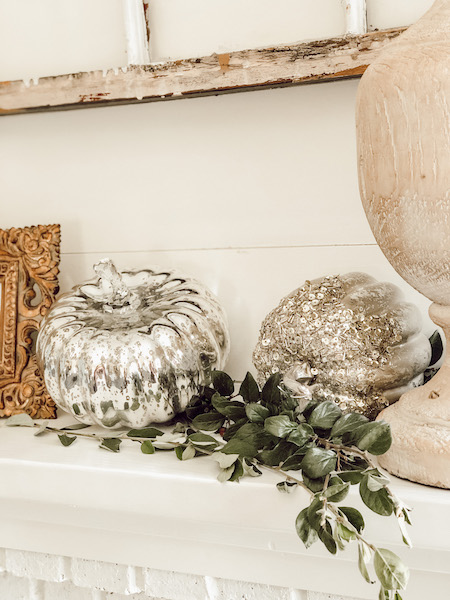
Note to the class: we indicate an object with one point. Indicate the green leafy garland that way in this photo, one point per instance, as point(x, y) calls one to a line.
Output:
point(266, 429)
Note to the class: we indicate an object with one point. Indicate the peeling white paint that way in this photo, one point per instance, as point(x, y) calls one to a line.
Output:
point(261, 68)
point(355, 17)
point(136, 32)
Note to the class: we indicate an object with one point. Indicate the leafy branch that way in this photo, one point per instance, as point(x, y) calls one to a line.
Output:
point(256, 430)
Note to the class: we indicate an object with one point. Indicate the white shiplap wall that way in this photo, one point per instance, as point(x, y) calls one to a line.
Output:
point(253, 193)
point(52, 37)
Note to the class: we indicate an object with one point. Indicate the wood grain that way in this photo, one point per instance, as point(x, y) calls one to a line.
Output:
point(307, 62)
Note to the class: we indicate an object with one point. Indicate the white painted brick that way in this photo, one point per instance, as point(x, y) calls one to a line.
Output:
point(36, 590)
point(14, 588)
point(35, 565)
point(68, 591)
point(298, 595)
point(141, 596)
point(228, 589)
point(109, 577)
point(170, 585)
point(321, 596)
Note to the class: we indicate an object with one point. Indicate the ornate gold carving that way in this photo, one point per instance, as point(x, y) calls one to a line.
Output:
point(29, 260)
point(9, 278)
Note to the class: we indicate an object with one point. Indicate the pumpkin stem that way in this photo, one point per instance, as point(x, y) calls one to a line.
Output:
point(111, 290)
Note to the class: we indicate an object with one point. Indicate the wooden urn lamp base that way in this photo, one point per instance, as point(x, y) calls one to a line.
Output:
point(403, 116)
point(420, 424)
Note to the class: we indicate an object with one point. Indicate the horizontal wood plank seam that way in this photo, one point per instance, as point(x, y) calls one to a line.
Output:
point(245, 70)
point(219, 249)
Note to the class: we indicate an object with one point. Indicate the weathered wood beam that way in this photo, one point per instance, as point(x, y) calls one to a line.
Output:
point(295, 64)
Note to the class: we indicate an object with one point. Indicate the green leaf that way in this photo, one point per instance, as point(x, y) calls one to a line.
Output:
point(256, 413)
point(41, 429)
point(111, 444)
point(250, 468)
point(211, 421)
point(380, 501)
point(168, 440)
point(314, 513)
point(354, 517)
point(222, 383)
point(390, 570)
point(188, 453)
point(147, 447)
point(249, 389)
point(352, 463)
point(280, 426)
point(293, 463)
point(247, 448)
point(271, 393)
point(376, 481)
point(254, 434)
point(301, 434)
point(225, 460)
point(315, 485)
point(327, 539)
point(337, 493)
point(238, 471)
point(231, 409)
point(195, 407)
point(247, 441)
point(437, 348)
point(66, 440)
point(147, 432)
point(305, 532)
point(286, 487)
point(347, 424)
point(345, 533)
point(405, 515)
point(288, 402)
point(203, 441)
point(233, 429)
point(225, 474)
point(75, 427)
point(178, 452)
point(363, 560)
point(402, 525)
point(374, 437)
point(318, 462)
point(310, 407)
point(277, 455)
point(76, 408)
point(352, 477)
point(20, 420)
point(324, 415)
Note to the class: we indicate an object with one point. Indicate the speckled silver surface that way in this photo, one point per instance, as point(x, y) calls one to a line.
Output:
point(131, 348)
point(348, 338)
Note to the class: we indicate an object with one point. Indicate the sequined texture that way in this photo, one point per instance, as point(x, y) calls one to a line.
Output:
point(357, 340)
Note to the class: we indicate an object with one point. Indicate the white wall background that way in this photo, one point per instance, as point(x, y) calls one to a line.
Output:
point(253, 193)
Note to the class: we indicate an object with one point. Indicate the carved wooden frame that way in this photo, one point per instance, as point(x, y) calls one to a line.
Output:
point(29, 267)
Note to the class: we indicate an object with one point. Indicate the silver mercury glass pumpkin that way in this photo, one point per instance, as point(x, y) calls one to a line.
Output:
point(131, 348)
point(347, 338)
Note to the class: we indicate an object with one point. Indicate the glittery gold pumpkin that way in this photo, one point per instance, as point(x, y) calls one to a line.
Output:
point(348, 338)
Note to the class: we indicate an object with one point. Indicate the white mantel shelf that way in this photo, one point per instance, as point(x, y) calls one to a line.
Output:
point(154, 511)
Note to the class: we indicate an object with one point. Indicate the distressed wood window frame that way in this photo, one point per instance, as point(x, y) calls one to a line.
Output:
point(337, 58)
